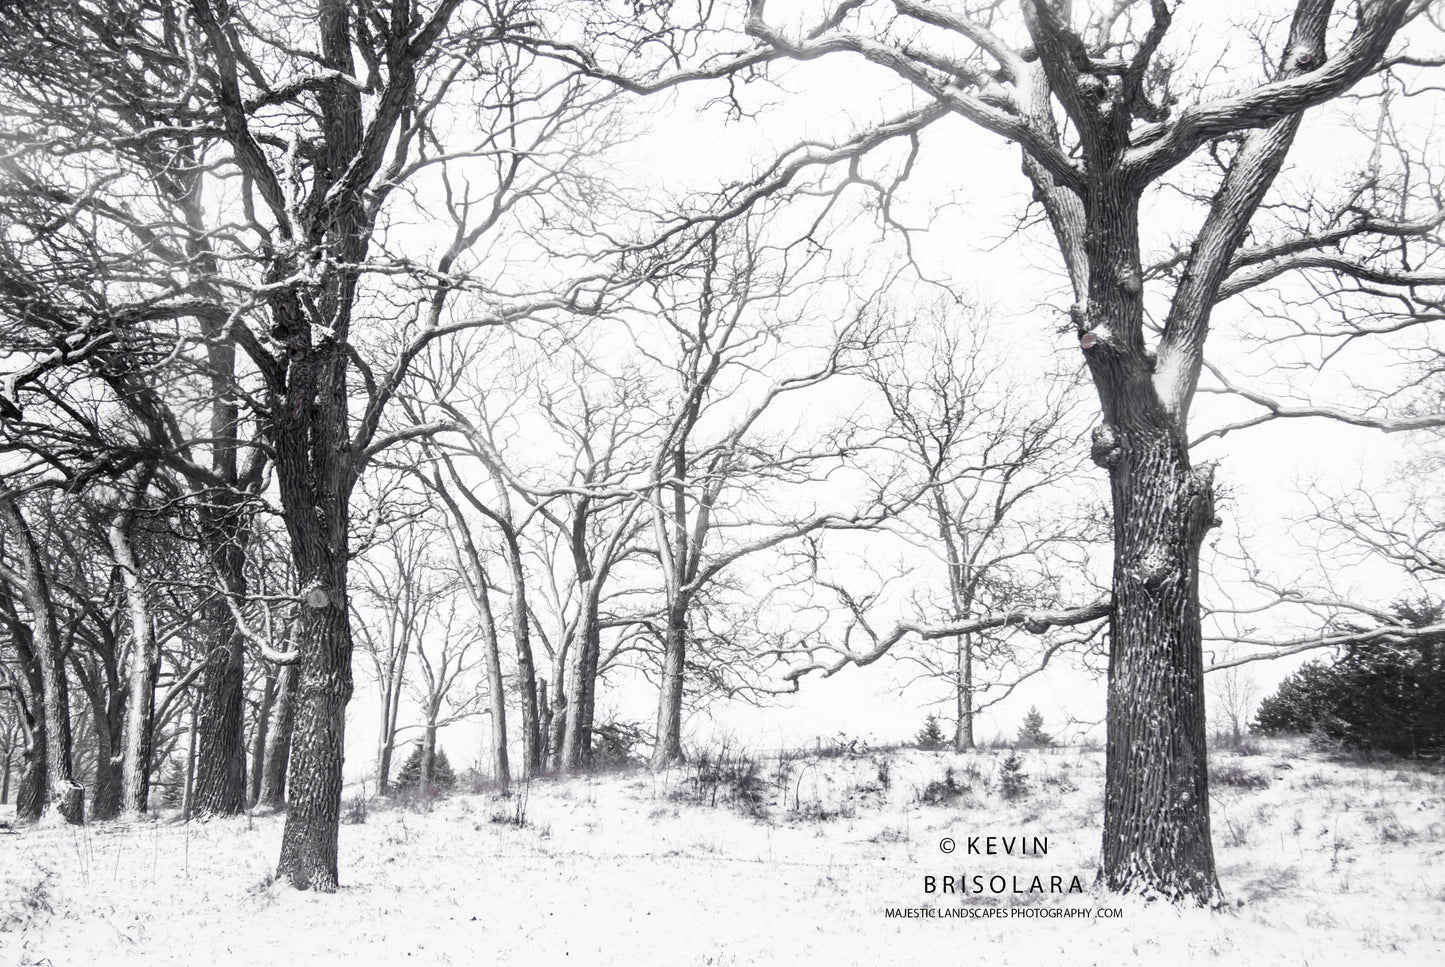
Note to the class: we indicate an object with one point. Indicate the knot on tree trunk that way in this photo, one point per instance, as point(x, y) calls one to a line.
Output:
point(69, 802)
point(1131, 281)
point(1152, 568)
point(1199, 503)
point(1105, 449)
point(1094, 90)
point(1303, 58)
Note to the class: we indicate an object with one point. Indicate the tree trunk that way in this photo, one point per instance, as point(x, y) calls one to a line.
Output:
point(383, 760)
point(586, 704)
point(390, 710)
point(105, 802)
point(428, 757)
point(1156, 797)
point(544, 721)
point(140, 676)
point(313, 817)
point(462, 545)
point(30, 793)
point(258, 739)
point(668, 750)
point(59, 790)
point(558, 739)
point(496, 688)
point(314, 473)
point(1156, 808)
point(963, 731)
point(533, 731)
point(221, 763)
point(561, 671)
point(958, 597)
point(221, 769)
point(577, 731)
point(272, 794)
point(188, 794)
point(469, 564)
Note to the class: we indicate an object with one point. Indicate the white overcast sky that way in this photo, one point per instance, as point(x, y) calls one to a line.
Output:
point(968, 188)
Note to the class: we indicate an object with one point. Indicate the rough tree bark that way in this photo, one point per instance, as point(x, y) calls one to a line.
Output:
point(496, 688)
point(668, 750)
point(100, 679)
point(1156, 816)
point(428, 753)
point(574, 707)
point(544, 721)
point(188, 789)
point(963, 695)
point(963, 648)
point(681, 562)
point(5, 770)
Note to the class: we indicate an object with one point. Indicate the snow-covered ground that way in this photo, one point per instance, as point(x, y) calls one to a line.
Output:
point(1324, 862)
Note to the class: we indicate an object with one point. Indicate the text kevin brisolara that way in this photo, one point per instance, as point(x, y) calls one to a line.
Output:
point(999, 884)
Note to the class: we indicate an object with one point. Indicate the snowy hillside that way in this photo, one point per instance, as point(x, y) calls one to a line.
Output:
point(774, 860)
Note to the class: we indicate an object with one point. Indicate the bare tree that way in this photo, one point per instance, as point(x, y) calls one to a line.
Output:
point(271, 793)
point(144, 655)
point(11, 719)
point(735, 343)
point(400, 598)
point(318, 120)
point(444, 657)
point(597, 525)
point(1234, 699)
point(1379, 552)
point(474, 575)
point(1103, 106)
point(564, 491)
point(125, 253)
point(993, 484)
point(55, 787)
point(26, 690)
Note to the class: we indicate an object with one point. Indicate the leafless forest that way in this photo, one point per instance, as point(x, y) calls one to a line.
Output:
point(484, 359)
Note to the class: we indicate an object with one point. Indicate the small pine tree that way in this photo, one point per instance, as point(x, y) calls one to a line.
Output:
point(442, 777)
point(931, 735)
point(1032, 733)
point(1013, 782)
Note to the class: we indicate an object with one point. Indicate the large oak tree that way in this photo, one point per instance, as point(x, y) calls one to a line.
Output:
point(1102, 114)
